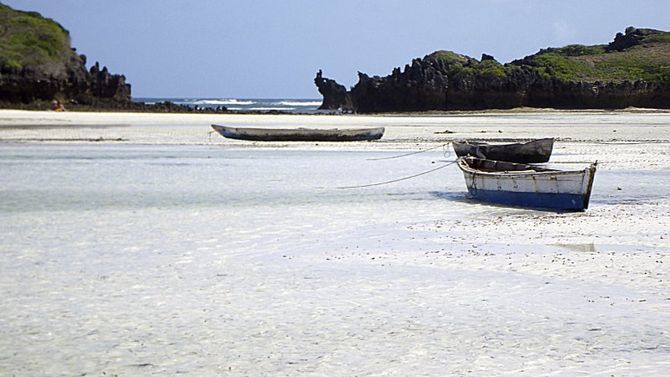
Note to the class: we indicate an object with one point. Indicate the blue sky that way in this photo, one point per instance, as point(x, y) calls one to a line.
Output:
point(272, 49)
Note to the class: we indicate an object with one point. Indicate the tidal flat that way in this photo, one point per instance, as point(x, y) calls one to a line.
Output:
point(143, 244)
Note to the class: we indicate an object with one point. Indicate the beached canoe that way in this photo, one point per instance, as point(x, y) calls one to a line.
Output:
point(299, 134)
point(534, 151)
point(525, 185)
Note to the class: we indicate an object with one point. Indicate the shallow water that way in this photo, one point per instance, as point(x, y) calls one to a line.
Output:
point(158, 259)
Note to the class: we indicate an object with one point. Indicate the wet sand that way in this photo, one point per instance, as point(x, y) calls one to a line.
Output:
point(164, 249)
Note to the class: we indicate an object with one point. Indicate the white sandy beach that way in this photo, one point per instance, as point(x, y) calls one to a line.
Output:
point(143, 244)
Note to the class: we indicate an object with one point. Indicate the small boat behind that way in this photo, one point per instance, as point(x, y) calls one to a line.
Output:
point(526, 185)
point(534, 151)
point(299, 134)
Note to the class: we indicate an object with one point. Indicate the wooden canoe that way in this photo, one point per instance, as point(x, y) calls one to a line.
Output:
point(525, 185)
point(534, 151)
point(299, 134)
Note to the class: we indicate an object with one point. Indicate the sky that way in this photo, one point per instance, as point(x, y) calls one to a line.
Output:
point(272, 49)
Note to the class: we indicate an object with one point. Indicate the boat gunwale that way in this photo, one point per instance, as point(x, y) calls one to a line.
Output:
point(300, 129)
point(518, 151)
point(299, 134)
point(465, 167)
point(492, 142)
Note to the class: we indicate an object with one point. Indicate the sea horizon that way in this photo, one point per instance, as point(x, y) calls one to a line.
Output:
point(298, 105)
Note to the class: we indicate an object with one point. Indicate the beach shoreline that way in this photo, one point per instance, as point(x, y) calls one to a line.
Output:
point(630, 125)
point(140, 244)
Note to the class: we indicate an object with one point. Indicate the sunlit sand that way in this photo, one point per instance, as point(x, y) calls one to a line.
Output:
point(141, 244)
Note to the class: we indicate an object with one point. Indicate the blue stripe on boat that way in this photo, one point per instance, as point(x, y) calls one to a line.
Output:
point(571, 202)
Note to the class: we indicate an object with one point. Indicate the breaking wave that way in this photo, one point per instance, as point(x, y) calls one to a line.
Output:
point(244, 104)
point(300, 103)
point(219, 102)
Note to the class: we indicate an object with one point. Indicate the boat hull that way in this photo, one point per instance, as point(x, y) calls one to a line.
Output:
point(526, 186)
point(565, 202)
point(535, 151)
point(299, 134)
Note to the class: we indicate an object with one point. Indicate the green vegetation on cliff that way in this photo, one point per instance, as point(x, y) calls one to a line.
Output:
point(631, 71)
point(450, 57)
point(28, 39)
point(38, 65)
point(461, 66)
point(649, 62)
point(640, 54)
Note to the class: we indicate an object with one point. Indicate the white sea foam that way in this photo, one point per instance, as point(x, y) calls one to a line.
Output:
point(231, 101)
point(262, 108)
point(280, 104)
point(300, 103)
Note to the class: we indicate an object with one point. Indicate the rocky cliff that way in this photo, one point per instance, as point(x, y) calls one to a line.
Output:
point(633, 70)
point(38, 63)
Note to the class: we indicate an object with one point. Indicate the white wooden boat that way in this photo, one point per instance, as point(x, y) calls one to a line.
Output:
point(525, 185)
point(299, 134)
point(533, 151)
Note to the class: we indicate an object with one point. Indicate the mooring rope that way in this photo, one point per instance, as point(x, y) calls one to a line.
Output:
point(398, 179)
point(407, 154)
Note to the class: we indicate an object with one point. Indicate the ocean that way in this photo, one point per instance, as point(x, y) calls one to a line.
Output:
point(243, 104)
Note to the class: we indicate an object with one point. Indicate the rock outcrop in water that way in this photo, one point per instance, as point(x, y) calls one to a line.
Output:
point(633, 70)
point(37, 63)
point(335, 96)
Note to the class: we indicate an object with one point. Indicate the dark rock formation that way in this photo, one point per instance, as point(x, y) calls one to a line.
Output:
point(37, 63)
point(108, 86)
point(448, 81)
point(632, 37)
point(421, 85)
point(31, 84)
point(335, 96)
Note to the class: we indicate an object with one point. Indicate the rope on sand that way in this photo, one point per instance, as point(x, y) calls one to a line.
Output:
point(399, 179)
